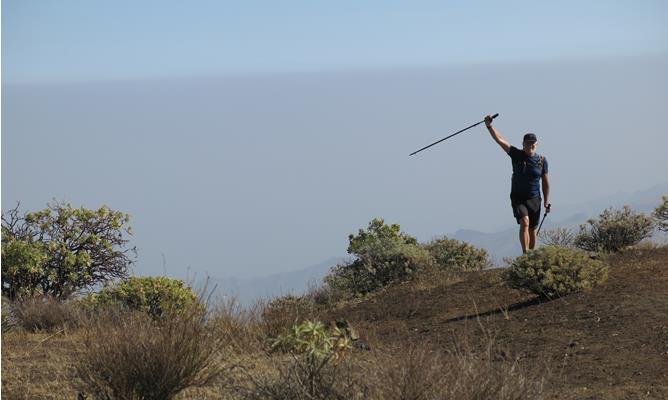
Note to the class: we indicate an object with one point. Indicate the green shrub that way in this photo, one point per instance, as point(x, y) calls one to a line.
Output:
point(454, 255)
point(156, 296)
point(384, 262)
point(22, 267)
point(314, 341)
point(61, 250)
point(313, 371)
point(614, 230)
point(552, 271)
point(377, 231)
point(384, 255)
point(661, 215)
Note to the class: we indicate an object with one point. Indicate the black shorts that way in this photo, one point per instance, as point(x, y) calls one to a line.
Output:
point(527, 207)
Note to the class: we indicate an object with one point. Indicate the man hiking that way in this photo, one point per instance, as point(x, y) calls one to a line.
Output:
point(529, 168)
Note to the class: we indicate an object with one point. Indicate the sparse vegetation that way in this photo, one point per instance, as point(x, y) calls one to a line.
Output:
point(282, 313)
point(8, 317)
point(422, 372)
point(553, 271)
point(151, 338)
point(313, 370)
point(61, 250)
point(45, 313)
point(561, 237)
point(614, 230)
point(133, 356)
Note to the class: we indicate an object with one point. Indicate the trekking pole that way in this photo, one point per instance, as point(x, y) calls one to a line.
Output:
point(547, 210)
point(456, 133)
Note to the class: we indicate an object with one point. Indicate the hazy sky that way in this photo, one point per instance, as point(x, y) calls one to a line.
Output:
point(252, 137)
point(73, 40)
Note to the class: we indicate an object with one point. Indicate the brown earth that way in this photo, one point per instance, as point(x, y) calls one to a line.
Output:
point(610, 343)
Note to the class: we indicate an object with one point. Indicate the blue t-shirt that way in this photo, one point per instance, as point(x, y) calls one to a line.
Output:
point(527, 171)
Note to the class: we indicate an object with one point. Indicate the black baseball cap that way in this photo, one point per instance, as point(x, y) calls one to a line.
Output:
point(529, 137)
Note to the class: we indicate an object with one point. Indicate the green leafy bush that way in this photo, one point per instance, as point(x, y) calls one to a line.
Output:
point(384, 255)
point(156, 296)
point(661, 215)
point(314, 341)
point(313, 372)
point(22, 267)
point(553, 271)
point(61, 250)
point(614, 230)
point(377, 231)
point(454, 255)
point(382, 263)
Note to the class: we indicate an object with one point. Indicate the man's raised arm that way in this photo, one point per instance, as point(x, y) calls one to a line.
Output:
point(496, 135)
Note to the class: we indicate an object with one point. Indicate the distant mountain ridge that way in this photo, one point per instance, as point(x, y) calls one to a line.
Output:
point(248, 290)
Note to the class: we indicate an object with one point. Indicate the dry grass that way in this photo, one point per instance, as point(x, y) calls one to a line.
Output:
point(128, 356)
point(423, 371)
point(44, 313)
point(241, 330)
point(39, 365)
point(132, 356)
point(280, 314)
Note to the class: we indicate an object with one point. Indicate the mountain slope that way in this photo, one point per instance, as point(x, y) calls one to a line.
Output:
point(610, 343)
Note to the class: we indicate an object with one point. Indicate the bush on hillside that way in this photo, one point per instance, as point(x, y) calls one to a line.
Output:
point(313, 371)
point(314, 341)
point(282, 313)
point(553, 271)
point(156, 296)
point(377, 231)
point(61, 250)
point(661, 215)
point(133, 356)
point(45, 313)
point(614, 230)
point(384, 255)
point(22, 267)
point(454, 255)
point(323, 295)
point(383, 263)
point(562, 237)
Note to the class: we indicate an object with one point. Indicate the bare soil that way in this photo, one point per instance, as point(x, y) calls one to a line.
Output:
point(610, 343)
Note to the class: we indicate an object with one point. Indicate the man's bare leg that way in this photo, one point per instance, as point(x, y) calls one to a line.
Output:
point(532, 238)
point(524, 233)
